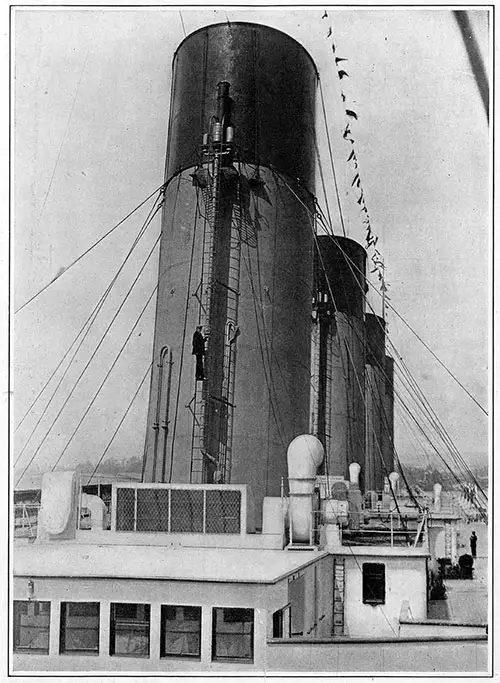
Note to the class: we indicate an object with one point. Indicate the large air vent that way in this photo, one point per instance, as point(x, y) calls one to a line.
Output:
point(173, 509)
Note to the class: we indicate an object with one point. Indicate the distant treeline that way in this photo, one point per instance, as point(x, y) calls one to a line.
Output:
point(426, 477)
point(131, 465)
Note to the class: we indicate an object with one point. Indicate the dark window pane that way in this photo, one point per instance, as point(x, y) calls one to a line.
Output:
point(235, 615)
point(181, 631)
point(232, 633)
point(79, 627)
point(186, 511)
point(129, 629)
point(169, 612)
point(373, 583)
point(223, 509)
point(125, 509)
point(31, 626)
point(278, 624)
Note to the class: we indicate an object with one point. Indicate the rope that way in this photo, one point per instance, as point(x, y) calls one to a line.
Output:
point(88, 250)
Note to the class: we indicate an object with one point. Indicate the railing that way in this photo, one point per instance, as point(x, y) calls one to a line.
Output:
point(25, 519)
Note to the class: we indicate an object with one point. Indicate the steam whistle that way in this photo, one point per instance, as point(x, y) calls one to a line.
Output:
point(220, 138)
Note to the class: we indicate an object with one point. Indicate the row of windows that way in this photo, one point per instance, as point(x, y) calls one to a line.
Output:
point(129, 634)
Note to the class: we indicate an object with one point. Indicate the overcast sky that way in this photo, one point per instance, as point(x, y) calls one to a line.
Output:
point(91, 98)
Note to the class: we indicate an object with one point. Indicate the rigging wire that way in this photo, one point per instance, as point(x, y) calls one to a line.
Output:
point(63, 139)
point(89, 249)
point(459, 460)
point(337, 193)
point(417, 336)
point(89, 361)
point(351, 436)
point(105, 379)
point(437, 358)
point(347, 259)
point(345, 340)
point(90, 320)
point(188, 295)
point(465, 472)
point(406, 323)
point(120, 423)
point(425, 435)
point(182, 22)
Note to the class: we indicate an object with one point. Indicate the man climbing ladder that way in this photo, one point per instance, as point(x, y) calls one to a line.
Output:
point(199, 352)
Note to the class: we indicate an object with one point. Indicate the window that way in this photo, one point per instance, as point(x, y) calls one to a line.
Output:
point(232, 633)
point(129, 630)
point(281, 622)
point(80, 627)
point(31, 626)
point(373, 583)
point(296, 596)
point(180, 631)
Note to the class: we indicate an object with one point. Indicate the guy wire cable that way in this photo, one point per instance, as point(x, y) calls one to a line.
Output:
point(332, 237)
point(348, 259)
point(120, 423)
point(88, 250)
point(105, 379)
point(89, 362)
point(90, 321)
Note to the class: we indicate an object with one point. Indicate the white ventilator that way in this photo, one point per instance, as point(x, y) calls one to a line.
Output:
point(304, 456)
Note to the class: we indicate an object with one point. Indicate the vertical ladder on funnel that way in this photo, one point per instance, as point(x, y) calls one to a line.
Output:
point(231, 334)
point(330, 350)
point(204, 295)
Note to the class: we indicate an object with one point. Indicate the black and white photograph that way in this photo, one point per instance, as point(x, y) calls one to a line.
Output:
point(250, 359)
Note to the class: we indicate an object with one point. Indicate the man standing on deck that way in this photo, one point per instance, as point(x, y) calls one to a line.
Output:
point(199, 352)
point(473, 544)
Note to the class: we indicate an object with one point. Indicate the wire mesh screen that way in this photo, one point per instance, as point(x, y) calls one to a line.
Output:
point(125, 509)
point(186, 511)
point(223, 509)
point(152, 510)
point(213, 511)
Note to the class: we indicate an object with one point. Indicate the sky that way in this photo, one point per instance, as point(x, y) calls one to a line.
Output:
point(91, 92)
